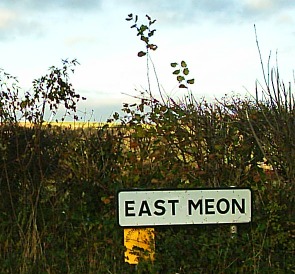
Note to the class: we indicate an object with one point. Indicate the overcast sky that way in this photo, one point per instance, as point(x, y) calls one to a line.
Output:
point(216, 38)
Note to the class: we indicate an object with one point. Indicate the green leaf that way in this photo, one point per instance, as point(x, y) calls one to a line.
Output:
point(116, 115)
point(143, 28)
point(191, 81)
point(152, 22)
point(163, 108)
point(218, 147)
point(180, 78)
point(183, 64)
point(173, 65)
point(141, 54)
point(182, 86)
point(186, 71)
point(137, 117)
point(176, 71)
point(152, 46)
point(130, 16)
point(145, 39)
point(151, 33)
point(141, 107)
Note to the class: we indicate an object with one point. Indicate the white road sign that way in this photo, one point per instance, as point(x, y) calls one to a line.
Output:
point(140, 208)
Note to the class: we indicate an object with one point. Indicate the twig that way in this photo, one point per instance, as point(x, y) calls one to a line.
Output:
point(260, 57)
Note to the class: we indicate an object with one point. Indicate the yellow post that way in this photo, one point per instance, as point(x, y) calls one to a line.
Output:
point(139, 243)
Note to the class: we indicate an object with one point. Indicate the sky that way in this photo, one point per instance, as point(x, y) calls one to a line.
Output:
point(216, 38)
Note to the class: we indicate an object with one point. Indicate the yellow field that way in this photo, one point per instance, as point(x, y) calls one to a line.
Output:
point(71, 125)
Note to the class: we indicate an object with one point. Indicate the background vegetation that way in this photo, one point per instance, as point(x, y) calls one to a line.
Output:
point(58, 185)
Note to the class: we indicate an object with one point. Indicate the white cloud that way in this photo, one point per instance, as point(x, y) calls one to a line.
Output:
point(260, 4)
point(215, 37)
point(73, 41)
point(286, 18)
point(15, 24)
point(52, 4)
point(267, 8)
point(172, 12)
point(7, 17)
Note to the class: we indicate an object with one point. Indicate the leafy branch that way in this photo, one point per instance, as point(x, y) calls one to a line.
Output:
point(52, 90)
point(181, 71)
point(145, 32)
point(48, 94)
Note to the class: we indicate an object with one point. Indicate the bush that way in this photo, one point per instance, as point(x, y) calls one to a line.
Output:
point(59, 185)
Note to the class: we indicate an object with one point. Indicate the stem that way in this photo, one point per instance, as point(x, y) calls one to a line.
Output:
point(148, 73)
point(157, 79)
point(260, 57)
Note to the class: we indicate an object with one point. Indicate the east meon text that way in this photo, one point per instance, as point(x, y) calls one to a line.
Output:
point(160, 207)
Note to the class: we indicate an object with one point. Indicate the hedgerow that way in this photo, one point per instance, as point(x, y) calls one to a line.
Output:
point(59, 185)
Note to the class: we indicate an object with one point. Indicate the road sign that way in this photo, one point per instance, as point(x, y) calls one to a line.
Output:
point(143, 208)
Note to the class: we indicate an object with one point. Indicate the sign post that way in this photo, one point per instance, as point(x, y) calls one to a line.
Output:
point(139, 242)
point(141, 210)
